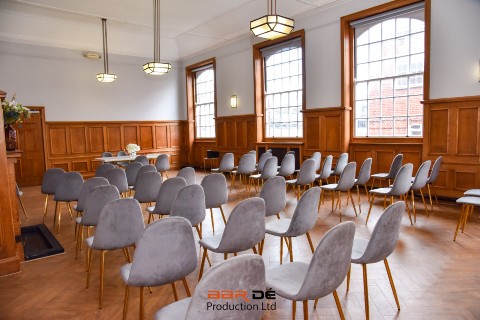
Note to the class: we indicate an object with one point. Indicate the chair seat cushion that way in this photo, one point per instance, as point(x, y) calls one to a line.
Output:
point(216, 170)
point(380, 175)
point(89, 241)
point(151, 209)
point(277, 227)
point(211, 243)
point(294, 181)
point(256, 176)
point(383, 191)
point(472, 193)
point(174, 311)
point(125, 271)
point(317, 176)
point(359, 247)
point(331, 186)
point(474, 201)
point(287, 279)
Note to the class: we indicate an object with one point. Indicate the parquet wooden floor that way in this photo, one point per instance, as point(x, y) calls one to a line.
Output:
point(435, 277)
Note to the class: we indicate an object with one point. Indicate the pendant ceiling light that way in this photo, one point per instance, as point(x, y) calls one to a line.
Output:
point(272, 25)
point(105, 76)
point(156, 67)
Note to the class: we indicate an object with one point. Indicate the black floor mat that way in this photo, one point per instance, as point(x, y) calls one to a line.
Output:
point(39, 242)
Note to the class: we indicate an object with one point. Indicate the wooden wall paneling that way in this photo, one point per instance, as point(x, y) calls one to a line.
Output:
point(161, 136)
point(312, 129)
point(468, 133)
point(176, 136)
point(115, 141)
point(439, 132)
point(57, 139)
point(78, 139)
point(333, 133)
point(146, 137)
point(130, 134)
point(96, 139)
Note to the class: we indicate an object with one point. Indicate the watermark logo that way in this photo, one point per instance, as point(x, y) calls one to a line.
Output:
point(241, 300)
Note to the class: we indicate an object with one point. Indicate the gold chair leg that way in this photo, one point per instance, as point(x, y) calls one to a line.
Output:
point(372, 198)
point(358, 199)
point(187, 289)
point(305, 310)
point(430, 195)
point(79, 240)
point(254, 250)
point(198, 231)
point(353, 203)
point(102, 272)
point(70, 210)
point(140, 311)
point(412, 195)
point(225, 256)
point(424, 203)
point(174, 291)
point(23, 208)
point(223, 215)
point(125, 302)
point(365, 289)
point(294, 309)
point(208, 260)
point(366, 192)
point(290, 248)
point(281, 249)
point(408, 209)
point(203, 264)
point(339, 306)
point(315, 304)
point(459, 222)
point(213, 223)
point(310, 242)
point(59, 216)
point(45, 211)
point(348, 277)
point(390, 278)
point(90, 260)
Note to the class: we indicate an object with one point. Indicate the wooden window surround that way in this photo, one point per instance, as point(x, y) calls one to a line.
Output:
point(259, 83)
point(347, 64)
point(190, 78)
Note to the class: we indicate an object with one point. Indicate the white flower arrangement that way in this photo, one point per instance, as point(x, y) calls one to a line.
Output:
point(132, 147)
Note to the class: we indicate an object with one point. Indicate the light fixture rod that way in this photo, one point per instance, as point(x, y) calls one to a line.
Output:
point(105, 47)
point(156, 31)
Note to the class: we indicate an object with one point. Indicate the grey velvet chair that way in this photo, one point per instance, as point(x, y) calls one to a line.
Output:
point(253, 153)
point(107, 154)
point(95, 201)
point(468, 203)
point(245, 272)
point(119, 226)
point(118, 178)
point(141, 172)
point(226, 163)
point(49, 185)
point(401, 186)
point(345, 183)
point(472, 193)
point(341, 163)
point(163, 164)
point(216, 194)
point(317, 156)
point(306, 177)
point(269, 171)
point(142, 159)
point(187, 173)
point(190, 204)
point(245, 229)
point(246, 167)
point(263, 158)
point(147, 187)
point(68, 190)
point(433, 178)
point(19, 196)
point(274, 195)
point(419, 182)
point(86, 187)
point(131, 171)
point(299, 281)
point(380, 245)
point(287, 168)
point(363, 178)
point(326, 171)
point(122, 153)
point(394, 167)
point(103, 168)
point(166, 196)
point(165, 253)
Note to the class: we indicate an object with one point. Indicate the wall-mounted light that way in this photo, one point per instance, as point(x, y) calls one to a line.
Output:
point(233, 101)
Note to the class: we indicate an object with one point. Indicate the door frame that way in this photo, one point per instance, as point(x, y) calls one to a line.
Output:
point(41, 110)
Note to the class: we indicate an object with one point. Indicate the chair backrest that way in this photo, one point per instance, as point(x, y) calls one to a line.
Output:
point(341, 163)
point(97, 198)
point(290, 152)
point(270, 168)
point(253, 153)
point(385, 234)
point(50, 180)
point(143, 170)
point(227, 163)
point(395, 166)
point(245, 272)
point(103, 168)
point(269, 151)
point(305, 214)
point(147, 187)
point(403, 180)
point(327, 168)
point(120, 224)
point(421, 177)
point(287, 167)
point(274, 194)
point(142, 159)
point(121, 153)
point(69, 186)
point(167, 194)
point(162, 163)
point(187, 173)
point(131, 171)
point(166, 252)
point(86, 187)
point(215, 188)
point(118, 178)
point(246, 165)
point(263, 158)
point(107, 154)
point(347, 177)
point(435, 170)
point(190, 204)
point(317, 156)
point(306, 175)
point(245, 226)
point(365, 172)
point(330, 263)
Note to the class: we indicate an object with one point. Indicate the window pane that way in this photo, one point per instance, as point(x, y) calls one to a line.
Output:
point(204, 103)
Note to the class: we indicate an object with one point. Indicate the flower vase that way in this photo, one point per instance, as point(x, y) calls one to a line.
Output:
point(10, 138)
point(133, 154)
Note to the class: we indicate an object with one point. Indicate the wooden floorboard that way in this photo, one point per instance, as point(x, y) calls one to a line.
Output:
point(435, 277)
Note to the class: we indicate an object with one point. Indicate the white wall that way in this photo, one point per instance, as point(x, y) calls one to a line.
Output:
point(455, 48)
point(65, 83)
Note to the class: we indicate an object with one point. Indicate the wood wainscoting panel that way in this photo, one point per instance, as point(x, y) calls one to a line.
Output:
point(452, 130)
point(73, 146)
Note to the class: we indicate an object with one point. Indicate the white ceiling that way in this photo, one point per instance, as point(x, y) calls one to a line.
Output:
point(187, 26)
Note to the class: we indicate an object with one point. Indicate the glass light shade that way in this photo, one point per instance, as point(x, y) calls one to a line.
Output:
point(156, 68)
point(272, 26)
point(106, 77)
point(233, 101)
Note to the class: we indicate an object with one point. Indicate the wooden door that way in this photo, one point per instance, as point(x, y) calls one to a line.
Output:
point(30, 167)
